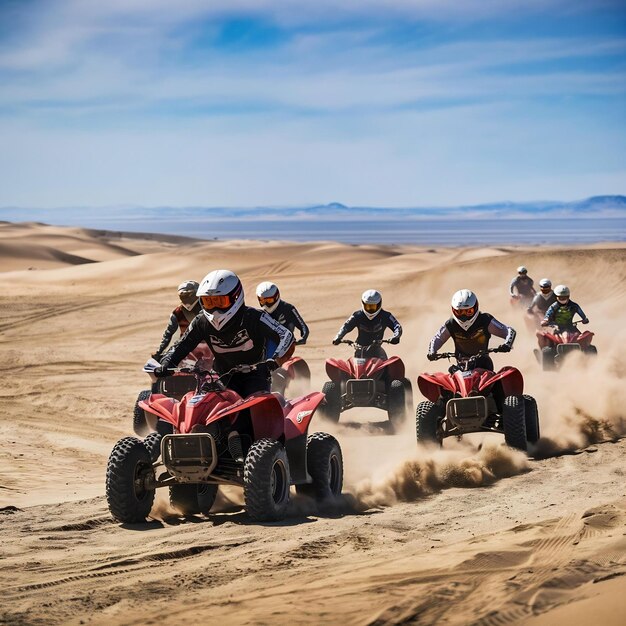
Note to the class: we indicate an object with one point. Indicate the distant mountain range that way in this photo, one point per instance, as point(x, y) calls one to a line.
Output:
point(594, 207)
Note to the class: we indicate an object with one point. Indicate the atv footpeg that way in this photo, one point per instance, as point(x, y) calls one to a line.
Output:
point(190, 458)
point(467, 413)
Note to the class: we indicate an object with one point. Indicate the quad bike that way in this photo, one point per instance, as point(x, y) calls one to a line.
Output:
point(175, 386)
point(219, 438)
point(471, 399)
point(366, 382)
point(555, 345)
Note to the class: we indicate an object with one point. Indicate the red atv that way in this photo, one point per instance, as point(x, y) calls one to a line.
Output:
point(366, 382)
point(469, 399)
point(555, 345)
point(203, 451)
point(175, 386)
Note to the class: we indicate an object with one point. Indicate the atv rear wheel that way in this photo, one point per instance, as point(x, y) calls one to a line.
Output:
point(153, 446)
point(531, 417)
point(547, 359)
point(266, 480)
point(514, 422)
point(396, 406)
point(193, 499)
point(325, 466)
point(331, 409)
point(140, 424)
point(128, 467)
point(426, 422)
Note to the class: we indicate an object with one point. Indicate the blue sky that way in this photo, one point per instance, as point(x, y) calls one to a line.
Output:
point(292, 102)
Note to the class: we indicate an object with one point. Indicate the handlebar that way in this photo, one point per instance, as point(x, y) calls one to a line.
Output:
point(358, 346)
point(452, 355)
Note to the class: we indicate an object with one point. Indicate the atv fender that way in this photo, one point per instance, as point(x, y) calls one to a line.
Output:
point(296, 367)
point(161, 406)
point(266, 413)
point(430, 385)
point(511, 379)
point(298, 414)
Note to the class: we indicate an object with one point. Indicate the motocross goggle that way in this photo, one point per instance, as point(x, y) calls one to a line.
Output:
point(563, 299)
point(222, 302)
point(269, 300)
point(546, 289)
point(371, 307)
point(466, 313)
point(187, 297)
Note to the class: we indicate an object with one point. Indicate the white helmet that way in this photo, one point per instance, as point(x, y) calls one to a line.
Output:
point(187, 294)
point(268, 295)
point(221, 296)
point(561, 291)
point(464, 308)
point(522, 270)
point(545, 283)
point(372, 302)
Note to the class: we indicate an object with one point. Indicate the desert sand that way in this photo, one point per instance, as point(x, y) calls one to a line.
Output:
point(472, 534)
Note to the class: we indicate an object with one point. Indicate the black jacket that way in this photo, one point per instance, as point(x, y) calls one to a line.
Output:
point(473, 340)
point(241, 342)
point(287, 315)
point(370, 329)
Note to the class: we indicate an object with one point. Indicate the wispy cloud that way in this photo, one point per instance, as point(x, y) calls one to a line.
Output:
point(331, 93)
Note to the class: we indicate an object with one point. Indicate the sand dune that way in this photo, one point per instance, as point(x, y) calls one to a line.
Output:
point(455, 536)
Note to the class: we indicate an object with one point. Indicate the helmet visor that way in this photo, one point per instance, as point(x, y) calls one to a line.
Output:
point(563, 299)
point(465, 314)
point(213, 303)
point(187, 297)
point(269, 300)
point(371, 307)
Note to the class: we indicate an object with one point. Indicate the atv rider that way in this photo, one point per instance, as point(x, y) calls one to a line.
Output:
point(522, 286)
point(284, 313)
point(371, 321)
point(543, 300)
point(471, 330)
point(236, 334)
point(181, 316)
point(562, 312)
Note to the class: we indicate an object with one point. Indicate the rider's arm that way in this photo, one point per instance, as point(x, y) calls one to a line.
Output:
point(503, 331)
point(394, 325)
point(349, 324)
point(580, 312)
point(441, 336)
point(512, 286)
point(533, 304)
point(184, 345)
point(172, 327)
point(550, 313)
point(300, 324)
point(277, 334)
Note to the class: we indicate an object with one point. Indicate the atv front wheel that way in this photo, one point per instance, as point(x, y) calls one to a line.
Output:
point(331, 410)
point(396, 406)
point(426, 422)
point(153, 445)
point(193, 499)
point(127, 470)
point(266, 480)
point(514, 422)
point(140, 424)
point(531, 417)
point(325, 466)
point(591, 350)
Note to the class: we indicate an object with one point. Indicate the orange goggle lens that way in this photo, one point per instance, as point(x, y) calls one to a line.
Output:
point(268, 301)
point(466, 313)
point(211, 303)
point(370, 307)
